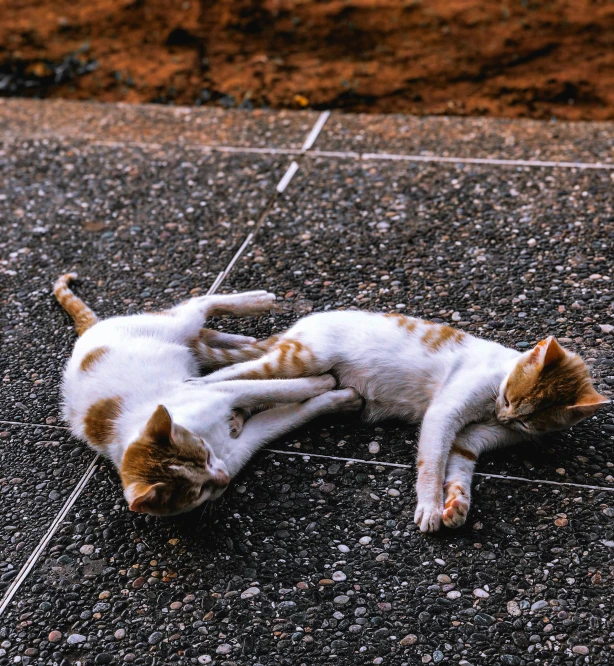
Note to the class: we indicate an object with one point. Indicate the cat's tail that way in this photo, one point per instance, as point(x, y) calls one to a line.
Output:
point(82, 315)
point(212, 358)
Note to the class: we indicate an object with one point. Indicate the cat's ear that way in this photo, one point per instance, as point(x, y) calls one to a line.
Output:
point(160, 425)
point(546, 353)
point(586, 406)
point(146, 498)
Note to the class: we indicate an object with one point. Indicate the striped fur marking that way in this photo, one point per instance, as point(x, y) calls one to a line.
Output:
point(465, 453)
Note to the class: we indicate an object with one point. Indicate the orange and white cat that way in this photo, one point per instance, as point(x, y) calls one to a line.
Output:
point(125, 393)
point(471, 395)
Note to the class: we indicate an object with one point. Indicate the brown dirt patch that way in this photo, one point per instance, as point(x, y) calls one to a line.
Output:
point(468, 57)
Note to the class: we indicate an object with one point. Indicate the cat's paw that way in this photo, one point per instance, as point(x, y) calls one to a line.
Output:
point(323, 383)
point(428, 516)
point(236, 423)
point(258, 302)
point(456, 507)
point(349, 400)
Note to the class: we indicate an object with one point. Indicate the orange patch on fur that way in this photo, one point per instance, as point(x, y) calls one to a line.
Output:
point(101, 419)
point(93, 357)
point(465, 453)
point(438, 336)
point(407, 323)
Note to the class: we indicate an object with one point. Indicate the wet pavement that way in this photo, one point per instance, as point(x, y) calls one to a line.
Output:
point(311, 557)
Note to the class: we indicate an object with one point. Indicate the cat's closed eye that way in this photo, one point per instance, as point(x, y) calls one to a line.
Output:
point(507, 402)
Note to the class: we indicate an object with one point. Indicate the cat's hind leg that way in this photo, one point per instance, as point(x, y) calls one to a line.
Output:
point(286, 358)
point(182, 323)
point(220, 340)
point(215, 350)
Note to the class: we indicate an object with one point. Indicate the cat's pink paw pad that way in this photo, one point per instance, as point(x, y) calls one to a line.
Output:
point(428, 516)
point(455, 511)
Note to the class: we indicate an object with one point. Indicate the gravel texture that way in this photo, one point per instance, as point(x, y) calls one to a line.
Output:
point(469, 137)
point(305, 560)
point(39, 467)
point(511, 588)
point(151, 123)
point(144, 229)
point(511, 254)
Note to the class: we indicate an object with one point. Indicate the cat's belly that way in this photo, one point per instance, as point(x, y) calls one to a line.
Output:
point(388, 396)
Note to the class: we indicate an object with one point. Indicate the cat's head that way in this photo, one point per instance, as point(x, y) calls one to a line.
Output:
point(169, 470)
point(548, 389)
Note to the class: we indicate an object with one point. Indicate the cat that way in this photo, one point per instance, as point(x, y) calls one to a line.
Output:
point(470, 395)
point(125, 393)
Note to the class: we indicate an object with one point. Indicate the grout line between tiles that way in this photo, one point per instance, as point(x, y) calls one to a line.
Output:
point(381, 463)
point(340, 154)
point(38, 551)
point(279, 189)
point(362, 461)
point(33, 425)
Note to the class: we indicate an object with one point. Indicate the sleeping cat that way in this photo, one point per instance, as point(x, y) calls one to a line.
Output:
point(471, 395)
point(125, 393)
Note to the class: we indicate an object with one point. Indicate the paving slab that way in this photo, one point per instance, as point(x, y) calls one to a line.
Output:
point(512, 254)
point(39, 468)
point(150, 123)
point(144, 228)
point(305, 562)
point(482, 138)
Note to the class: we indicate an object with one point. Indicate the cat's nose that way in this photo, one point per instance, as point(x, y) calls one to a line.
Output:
point(221, 479)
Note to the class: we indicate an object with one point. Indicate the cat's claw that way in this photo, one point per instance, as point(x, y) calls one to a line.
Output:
point(428, 516)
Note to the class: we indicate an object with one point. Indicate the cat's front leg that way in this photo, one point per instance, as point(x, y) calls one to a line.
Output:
point(470, 443)
point(250, 393)
point(273, 423)
point(438, 431)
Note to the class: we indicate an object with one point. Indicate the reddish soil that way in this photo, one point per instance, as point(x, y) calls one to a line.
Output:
point(527, 58)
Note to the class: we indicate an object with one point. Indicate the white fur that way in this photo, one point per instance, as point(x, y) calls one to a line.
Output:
point(447, 390)
point(148, 365)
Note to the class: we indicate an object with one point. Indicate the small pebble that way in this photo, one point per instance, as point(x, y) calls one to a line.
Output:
point(365, 540)
point(75, 639)
point(54, 636)
point(374, 447)
point(87, 549)
point(224, 648)
point(480, 593)
point(513, 609)
point(339, 576)
point(250, 593)
point(155, 638)
point(453, 594)
point(580, 649)
point(410, 639)
point(342, 548)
